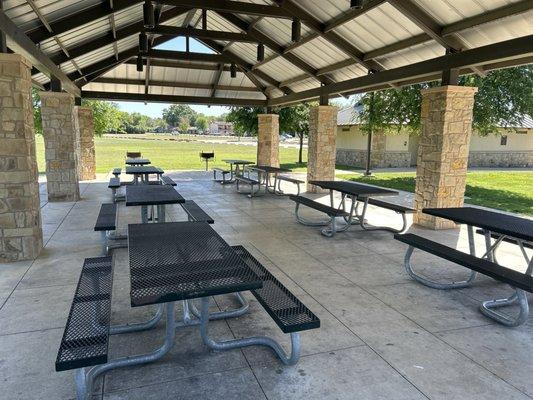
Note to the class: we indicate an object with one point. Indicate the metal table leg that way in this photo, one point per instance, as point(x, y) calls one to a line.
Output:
point(519, 297)
point(287, 359)
point(85, 377)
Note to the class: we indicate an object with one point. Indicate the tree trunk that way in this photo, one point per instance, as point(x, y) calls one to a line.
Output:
point(301, 148)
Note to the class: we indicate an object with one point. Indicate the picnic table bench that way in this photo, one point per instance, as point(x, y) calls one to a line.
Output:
point(167, 180)
point(180, 276)
point(518, 230)
point(224, 173)
point(250, 182)
point(285, 178)
point(356, 192)
point(106, 224)
point(195, 212)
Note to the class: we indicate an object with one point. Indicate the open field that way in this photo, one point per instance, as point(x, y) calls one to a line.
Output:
point(169, 155)
point(509, 191)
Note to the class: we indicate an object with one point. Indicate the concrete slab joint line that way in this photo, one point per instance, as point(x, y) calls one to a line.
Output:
point(446, 128)
point(20, 213)
point(62, 146)
point(321, 146)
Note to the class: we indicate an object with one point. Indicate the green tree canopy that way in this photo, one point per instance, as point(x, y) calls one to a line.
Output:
point(244, 119)
point(504, 96)
point(174, 114)
point(107, 116)
point(201, 123)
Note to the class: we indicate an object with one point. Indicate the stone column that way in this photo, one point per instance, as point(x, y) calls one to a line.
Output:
point(321, 145)
point(61, 140)
point(446, 126)
point(21, 236)
point(268, 140)
point(87, 161)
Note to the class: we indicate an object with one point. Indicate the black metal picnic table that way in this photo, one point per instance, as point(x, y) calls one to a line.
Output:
point(133, 161)
point(502, 227)
point(264, 172)
point(239, 167)
point(150, 196)
point(356, 192)
point(143, 172)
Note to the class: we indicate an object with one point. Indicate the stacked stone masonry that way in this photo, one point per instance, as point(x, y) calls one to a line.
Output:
point(87, 159)
point(20, 213)
point(61, 140)
point(268, 140)
point(321, 145)
point(446, 120)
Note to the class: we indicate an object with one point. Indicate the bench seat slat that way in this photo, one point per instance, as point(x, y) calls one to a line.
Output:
point(483, 266)
point(249, 181)
point(195, 212)
point(86, 336)
point(289, 313)
point(390, 206)
point(114, 183)
point(331, 211)
point(167, 180)
point(289, 179)
point(106, 220)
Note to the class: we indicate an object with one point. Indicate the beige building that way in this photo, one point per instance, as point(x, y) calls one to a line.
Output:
point(511, 147)
point(221, 128)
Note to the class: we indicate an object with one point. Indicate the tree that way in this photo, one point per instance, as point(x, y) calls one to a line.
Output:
point(504, 96)
point(201, 123)
point(174, 114)
point(295, 119)
point(37, 121)
point(184, 125)
point(106, 114)
point(244, 119)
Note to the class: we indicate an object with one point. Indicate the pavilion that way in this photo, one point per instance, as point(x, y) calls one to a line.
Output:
point(268, 54)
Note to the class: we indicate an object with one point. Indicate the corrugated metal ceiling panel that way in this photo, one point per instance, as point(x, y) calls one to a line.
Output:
point(320, 53)
point(378, 27)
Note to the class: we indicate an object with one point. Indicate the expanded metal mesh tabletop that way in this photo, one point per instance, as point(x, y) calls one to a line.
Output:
point(520, 228)
point(148, 195)
point(137, 161)
point(268, 169)
point(354, 189)
point(242, 162)
point(183, 260)
point(143, 169)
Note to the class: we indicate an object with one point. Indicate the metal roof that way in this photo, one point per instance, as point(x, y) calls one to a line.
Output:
point(93, 41)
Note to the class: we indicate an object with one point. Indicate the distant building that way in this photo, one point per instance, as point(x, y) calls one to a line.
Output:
point(509, 147)
point(221, 128)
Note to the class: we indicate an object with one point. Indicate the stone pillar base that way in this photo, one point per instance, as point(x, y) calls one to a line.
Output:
point(87, 167)
point(61, 142)
point(21, 236)
point(446, 121)
point(321, 146)
point(268, 140)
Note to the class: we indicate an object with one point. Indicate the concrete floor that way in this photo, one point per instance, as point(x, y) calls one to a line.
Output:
point(383, 336)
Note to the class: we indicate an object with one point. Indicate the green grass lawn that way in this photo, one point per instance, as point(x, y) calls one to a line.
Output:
point(509, 191)
point(170, 155)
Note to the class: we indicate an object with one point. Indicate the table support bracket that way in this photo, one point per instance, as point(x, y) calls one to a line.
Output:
point(85, 377)
point(434, 284)
point(287, 359)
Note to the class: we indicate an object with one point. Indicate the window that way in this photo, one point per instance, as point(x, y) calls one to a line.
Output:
point(346, 129)
point(503, 141)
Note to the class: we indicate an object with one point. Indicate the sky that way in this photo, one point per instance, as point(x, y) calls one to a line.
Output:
point(155, 110)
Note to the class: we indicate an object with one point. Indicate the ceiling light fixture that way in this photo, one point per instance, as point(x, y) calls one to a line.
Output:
point(143, 43)
point(357, 4)
point(260, 52)
point(148, 15)
point(296, 30)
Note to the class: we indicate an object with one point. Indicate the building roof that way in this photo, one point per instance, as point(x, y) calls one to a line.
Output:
point(351, 116)
point(95, 44)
